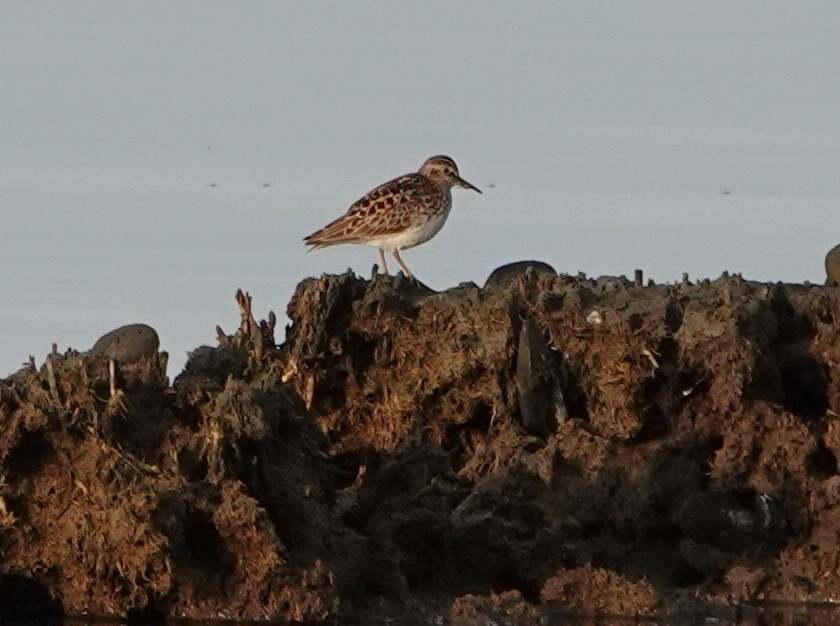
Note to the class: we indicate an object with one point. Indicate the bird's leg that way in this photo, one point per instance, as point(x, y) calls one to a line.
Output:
point(382, 258)
point(403, 265)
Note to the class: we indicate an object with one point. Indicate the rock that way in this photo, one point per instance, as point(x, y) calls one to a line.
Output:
point(723, 528)
point(505, 275)
point(541, 403)
point(211, 367)
point(832, 266)
point(127, 344)
point(25, 600)
point(402, 448)
point(734, 521)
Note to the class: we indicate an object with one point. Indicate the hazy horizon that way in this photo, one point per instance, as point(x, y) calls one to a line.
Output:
point(156, 157)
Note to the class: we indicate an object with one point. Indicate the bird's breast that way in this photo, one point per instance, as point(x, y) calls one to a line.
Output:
point(424, 227)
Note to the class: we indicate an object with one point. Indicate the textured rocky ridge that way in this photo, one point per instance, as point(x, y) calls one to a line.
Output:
point(543, 443)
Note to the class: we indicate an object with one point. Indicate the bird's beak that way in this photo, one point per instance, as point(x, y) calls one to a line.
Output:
point(467, 185)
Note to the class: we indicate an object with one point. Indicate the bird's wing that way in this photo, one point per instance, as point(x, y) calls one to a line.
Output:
point(380, 212)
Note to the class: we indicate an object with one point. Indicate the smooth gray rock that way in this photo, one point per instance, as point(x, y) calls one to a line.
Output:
point(832, 266)
point(505, 275)
point(127, 344)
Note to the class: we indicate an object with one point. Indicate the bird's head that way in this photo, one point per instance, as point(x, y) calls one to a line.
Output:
point(442, 170)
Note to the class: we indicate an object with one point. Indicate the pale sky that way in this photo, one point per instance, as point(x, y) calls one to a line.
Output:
point(136, 140)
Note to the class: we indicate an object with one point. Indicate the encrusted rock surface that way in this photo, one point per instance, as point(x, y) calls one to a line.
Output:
point(543, 444)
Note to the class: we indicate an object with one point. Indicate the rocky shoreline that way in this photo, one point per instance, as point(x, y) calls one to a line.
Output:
point(545, 444)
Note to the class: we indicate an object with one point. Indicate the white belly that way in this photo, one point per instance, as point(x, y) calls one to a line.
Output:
point(414, 235)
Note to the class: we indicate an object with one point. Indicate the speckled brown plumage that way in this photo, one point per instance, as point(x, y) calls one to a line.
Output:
point(388, 209)
point(399, 214)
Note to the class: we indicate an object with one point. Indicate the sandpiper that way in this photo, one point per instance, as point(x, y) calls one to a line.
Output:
point(402, 213)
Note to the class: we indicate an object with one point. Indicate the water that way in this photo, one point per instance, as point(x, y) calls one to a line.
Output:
point(155, 159)
point(779, 615)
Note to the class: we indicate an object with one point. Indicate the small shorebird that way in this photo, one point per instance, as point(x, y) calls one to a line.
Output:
point(402, 213)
